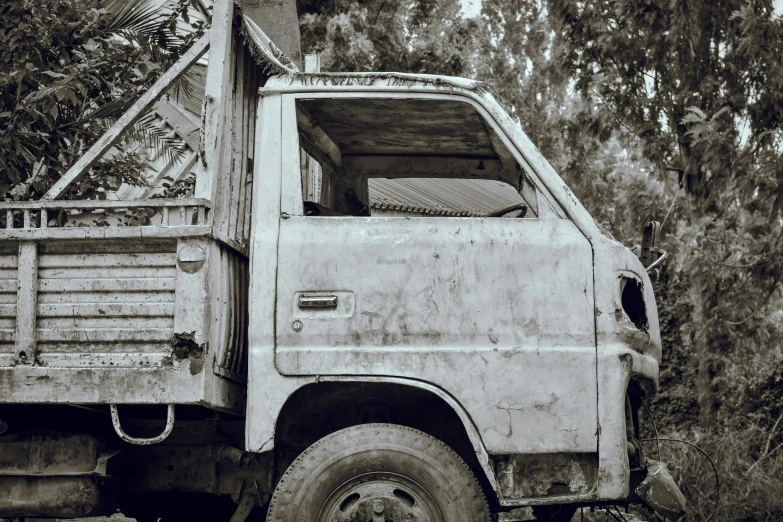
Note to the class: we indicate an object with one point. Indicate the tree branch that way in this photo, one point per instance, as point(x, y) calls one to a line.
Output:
point(751, 316)
point(767, 453)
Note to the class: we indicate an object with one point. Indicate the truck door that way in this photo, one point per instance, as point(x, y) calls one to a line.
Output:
point(497, 311)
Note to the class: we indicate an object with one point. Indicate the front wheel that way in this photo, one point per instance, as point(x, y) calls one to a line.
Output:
point(378, 472)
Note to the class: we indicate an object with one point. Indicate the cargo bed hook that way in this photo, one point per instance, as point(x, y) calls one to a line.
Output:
point(115, 419)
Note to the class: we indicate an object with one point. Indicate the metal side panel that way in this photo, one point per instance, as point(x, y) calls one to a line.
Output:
point(497, 312)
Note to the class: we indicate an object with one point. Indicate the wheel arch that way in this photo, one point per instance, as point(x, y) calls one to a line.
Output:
point(344, 401)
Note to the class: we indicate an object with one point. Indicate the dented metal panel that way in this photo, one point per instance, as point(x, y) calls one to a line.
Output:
point(497, 312)
point(542, 475)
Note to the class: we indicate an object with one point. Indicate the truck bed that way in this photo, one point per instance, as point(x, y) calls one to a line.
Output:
point(152, 313)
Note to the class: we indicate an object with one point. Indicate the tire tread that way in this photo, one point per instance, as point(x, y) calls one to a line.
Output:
point(426, 442)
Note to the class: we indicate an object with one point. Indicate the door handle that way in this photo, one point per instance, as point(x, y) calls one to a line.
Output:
point(317, 301)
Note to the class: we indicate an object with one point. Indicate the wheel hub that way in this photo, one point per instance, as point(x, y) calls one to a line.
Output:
point(380, 497)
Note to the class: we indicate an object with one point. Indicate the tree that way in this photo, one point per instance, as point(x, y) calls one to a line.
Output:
point(699, 84)
point(67, 70)
point(424, 36)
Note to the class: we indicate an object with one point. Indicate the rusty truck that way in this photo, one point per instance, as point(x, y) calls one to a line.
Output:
point(271, 348)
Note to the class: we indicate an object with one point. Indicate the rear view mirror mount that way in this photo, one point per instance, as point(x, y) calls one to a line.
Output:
point(651, 255)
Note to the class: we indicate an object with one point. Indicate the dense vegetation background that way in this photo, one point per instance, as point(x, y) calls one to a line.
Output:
point(667, 110)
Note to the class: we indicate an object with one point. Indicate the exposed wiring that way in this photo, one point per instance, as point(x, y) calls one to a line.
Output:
point(655, 428)
point(714, 468)
point(608, 510)
point(619, 513)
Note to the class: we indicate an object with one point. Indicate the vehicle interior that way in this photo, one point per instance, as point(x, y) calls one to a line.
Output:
point(351, 148)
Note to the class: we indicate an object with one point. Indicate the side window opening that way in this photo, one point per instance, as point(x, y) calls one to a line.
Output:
point(408, 157)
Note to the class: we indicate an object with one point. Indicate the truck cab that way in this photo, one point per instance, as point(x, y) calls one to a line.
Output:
point(531, 323)
point(328, 358)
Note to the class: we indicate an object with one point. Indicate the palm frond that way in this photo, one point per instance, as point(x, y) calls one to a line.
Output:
point(183, 86)
point(109, 110)
point(150, 132)
point(137, 16)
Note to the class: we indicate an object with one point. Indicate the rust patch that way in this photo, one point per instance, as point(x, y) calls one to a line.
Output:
point(637, 340)
point(546, 474)
point(184, 346)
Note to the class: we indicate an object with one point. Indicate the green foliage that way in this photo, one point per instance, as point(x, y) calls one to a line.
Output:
point(698, 85)
point(424, 36)
point(68, 69)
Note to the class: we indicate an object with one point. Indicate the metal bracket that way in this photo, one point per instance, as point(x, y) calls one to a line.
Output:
point(115, 420)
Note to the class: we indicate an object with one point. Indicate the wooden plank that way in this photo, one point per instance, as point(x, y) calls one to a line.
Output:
point(107, 260)
point(8, 297)
point(103, 298)
point(237, 140)
point(230, 243)
point(8, 262)
point(26, 303)
point(101, 204)
point(8, 335)
point(251, 95)
point(107, 285)
point(105, 233)
point(225, 162)
point(90, 272)
point(109, 347)
point(107, 323)
point(117, 247)
point(218, 83)
point(251, 152)
point(100, 310)
point(114, 360)
point(135, 112)
point(8, 285)
point(8, 322)
point(8, 310)
point(8, 273)
point(104, 334)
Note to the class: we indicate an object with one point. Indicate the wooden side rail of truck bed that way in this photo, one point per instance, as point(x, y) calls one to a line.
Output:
point(133, 302)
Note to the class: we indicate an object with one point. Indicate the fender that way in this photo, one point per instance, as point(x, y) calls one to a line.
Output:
point(470, 428)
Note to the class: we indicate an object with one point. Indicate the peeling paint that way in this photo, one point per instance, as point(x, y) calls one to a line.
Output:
point(559, 475)
point(184, 346)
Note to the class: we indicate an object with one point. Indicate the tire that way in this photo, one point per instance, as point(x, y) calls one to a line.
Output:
point(352, 473)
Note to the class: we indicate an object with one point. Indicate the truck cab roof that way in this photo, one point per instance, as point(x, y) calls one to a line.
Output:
point(377, 80)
